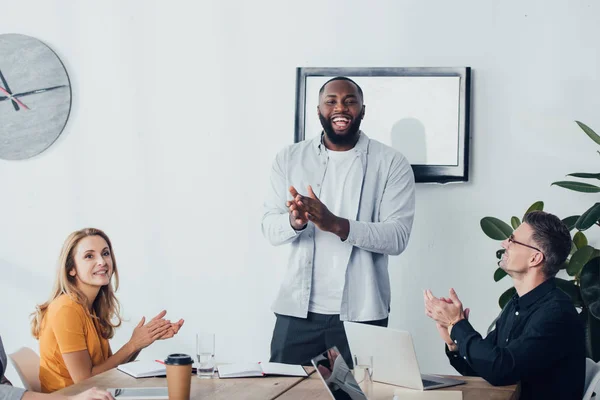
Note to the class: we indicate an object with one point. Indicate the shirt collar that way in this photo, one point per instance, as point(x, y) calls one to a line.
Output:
point(531, 297)
point(362, 145)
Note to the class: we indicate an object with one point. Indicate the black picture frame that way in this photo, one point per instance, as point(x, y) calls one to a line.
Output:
point(454, 170)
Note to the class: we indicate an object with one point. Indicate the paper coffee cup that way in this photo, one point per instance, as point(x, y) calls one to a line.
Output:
point(179, 376)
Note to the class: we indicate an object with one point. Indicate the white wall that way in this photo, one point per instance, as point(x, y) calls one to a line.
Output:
point(179, 108)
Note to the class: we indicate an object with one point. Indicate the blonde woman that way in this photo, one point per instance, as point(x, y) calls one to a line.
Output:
point(74, 326)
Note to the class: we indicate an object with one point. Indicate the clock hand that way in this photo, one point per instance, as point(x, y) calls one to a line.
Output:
point(38, 91)
point(15, 105)
point(10, 96)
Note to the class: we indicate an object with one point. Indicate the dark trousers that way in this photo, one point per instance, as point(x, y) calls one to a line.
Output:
point(298, 340)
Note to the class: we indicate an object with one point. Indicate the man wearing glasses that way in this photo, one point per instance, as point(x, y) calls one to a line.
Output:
point(538, 339)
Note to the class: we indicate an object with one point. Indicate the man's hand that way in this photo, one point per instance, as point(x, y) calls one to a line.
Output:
point(298, 218)
point(442, 312)
point(444, 334)
point(320, 215)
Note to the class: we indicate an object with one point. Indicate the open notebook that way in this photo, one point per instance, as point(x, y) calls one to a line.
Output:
point(143, 369)
point(259, 369)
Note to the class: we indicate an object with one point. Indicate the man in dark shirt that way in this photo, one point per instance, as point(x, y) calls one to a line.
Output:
point(539, 339)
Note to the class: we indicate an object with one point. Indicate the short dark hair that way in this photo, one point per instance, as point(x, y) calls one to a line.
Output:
point(554, 238)
point(342, 78)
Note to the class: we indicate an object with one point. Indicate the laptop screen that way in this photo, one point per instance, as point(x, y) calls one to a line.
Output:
point(337, 376)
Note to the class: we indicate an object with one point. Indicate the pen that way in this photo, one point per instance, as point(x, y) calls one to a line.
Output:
point(160, 361)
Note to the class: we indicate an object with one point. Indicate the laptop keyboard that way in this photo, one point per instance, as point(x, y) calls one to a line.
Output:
point(427, 383)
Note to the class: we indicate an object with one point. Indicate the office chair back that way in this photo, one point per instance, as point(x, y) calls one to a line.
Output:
point(27, 365)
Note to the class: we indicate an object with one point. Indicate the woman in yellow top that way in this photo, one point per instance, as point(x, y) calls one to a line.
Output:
point(74, 326)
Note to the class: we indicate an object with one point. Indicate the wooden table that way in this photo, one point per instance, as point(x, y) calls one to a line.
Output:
point(210, 389)
point(283, 388)
point(475, 389)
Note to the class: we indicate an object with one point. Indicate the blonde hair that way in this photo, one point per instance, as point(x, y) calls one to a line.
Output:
point(106, 308)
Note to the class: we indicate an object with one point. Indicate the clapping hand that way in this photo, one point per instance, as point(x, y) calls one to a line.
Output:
point(145, 334)
point(310, 208)
point(174, 328)
point(298, 217)
point(444, 311)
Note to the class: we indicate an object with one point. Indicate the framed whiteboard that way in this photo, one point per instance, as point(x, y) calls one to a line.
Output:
point(421, 112)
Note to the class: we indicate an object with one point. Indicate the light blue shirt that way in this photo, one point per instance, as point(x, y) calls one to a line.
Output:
point(7, 392)
point(381, 228)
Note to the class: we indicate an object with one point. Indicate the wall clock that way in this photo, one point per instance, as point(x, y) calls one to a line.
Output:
point(35, 97)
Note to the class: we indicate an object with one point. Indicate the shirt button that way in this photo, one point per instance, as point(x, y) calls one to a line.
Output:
point(310, 262)
point(506, 340)
point(516, 313)
point(465, 357)
point(318, 185)
point(310, 235)
point(455, 341)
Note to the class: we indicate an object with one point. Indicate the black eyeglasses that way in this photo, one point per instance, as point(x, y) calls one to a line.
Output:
point(511, 239)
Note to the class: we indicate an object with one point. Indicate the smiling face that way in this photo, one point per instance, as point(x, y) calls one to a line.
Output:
point(341, 110)
point(93, 263)
point(518, 258)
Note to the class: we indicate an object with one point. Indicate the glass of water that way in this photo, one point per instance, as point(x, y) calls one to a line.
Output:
point(363, 368)
point(205, 351)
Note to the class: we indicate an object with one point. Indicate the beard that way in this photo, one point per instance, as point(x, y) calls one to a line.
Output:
point(349, 137)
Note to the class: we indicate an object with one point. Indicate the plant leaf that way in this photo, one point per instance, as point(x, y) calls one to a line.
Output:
point(506, 296)
point(592, 334)
point(588, 218)
point(499, 274)
point(585, 175)
point(588, 131)
point(499, 253)
point(570, 221)
point(577, 186)
point(590, 286)
point(495, 228)
point(580, 240)
point(515, 222)
point(573, 249)
point(581, 257)
point(537, 206)
point(571, 289)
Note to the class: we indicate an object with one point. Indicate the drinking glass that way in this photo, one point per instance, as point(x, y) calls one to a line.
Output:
point(363, 368)
point(205, 351)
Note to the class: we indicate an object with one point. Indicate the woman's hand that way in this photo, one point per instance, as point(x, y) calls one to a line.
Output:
point(144, 335)
point(175, 327)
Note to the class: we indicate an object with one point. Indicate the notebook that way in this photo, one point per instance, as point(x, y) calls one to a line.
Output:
point(143, 369)
point(259, 369)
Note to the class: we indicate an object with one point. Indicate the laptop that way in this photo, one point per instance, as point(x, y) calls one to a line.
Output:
point(394, 357)
point(337, 376)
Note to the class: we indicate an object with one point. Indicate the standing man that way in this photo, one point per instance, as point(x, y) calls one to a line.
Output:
point(539, 339)
point(345, 203)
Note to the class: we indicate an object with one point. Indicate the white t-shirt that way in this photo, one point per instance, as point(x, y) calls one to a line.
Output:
point(340, 192)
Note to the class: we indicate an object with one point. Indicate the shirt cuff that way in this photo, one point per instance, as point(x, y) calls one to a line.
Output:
point(449, 353)
point(461, 332)
point(286, 230)
point(11, 392)
point(353, 229)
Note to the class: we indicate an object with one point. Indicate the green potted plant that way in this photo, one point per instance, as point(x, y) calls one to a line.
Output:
point(582, 265)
